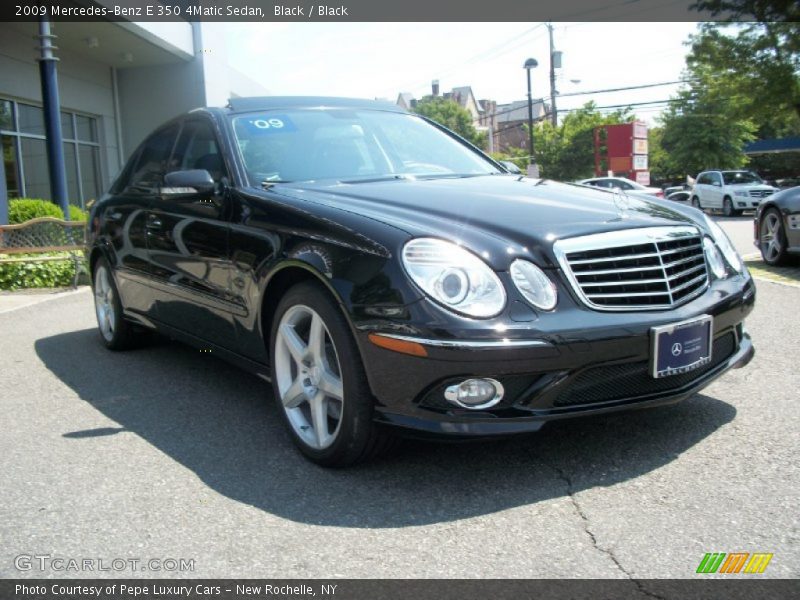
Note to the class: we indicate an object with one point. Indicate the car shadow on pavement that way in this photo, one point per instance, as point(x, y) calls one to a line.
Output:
point(223, 425)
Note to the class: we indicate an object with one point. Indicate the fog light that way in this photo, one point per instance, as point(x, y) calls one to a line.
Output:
point(475, 393)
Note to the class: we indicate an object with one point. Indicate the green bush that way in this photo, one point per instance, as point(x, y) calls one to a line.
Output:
point(54, 273)
point(25, 209)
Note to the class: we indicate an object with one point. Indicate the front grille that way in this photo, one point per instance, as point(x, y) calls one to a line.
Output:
point(631, 380)
point(760, 193)
point(637, 269)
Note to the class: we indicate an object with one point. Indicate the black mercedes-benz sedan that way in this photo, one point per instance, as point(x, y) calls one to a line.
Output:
point(387, 276)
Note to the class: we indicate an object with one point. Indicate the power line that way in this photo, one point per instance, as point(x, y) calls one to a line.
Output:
point(624, 89)
point(485, 54)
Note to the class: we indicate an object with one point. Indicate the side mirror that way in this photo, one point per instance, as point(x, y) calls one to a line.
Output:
point(193, 182)
point(511, 167)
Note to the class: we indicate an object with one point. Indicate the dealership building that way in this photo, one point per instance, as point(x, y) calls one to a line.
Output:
point(116, 81)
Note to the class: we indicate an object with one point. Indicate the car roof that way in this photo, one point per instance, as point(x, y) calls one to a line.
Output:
point(282, 102)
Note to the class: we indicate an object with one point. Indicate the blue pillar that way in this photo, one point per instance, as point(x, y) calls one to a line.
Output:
point(3, 197)
point(52, 117)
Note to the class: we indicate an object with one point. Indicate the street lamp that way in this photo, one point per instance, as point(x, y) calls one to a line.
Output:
point(533, 170)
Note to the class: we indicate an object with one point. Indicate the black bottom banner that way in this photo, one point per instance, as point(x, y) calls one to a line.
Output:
point(398, 589)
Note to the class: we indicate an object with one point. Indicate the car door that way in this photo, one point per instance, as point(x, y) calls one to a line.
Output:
point(715, 192)
point(188, 243)
point(124, 218)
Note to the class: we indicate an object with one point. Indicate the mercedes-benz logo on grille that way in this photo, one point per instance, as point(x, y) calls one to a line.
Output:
point(677, 348)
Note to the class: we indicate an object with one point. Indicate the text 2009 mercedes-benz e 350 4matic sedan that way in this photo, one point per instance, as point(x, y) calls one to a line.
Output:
point(388, 276)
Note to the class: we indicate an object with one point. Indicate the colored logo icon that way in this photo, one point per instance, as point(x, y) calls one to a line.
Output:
point(736, 562)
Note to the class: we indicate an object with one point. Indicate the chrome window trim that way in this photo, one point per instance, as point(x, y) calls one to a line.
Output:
point(622, 238)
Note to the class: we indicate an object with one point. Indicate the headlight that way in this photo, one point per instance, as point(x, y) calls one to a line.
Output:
point(741, 193)
point(454, 277)
point(724, 243)
point(533, 284)
point(714, 258)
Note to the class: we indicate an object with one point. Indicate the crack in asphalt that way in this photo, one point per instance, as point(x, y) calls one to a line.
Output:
point(587, 529)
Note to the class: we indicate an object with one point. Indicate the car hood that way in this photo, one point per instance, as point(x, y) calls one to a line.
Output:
point(752, 186)
point(501, 217)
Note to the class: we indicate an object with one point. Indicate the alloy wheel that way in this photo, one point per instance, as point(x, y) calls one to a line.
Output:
point(771, 237)
point(309, 376)
point(104, 303)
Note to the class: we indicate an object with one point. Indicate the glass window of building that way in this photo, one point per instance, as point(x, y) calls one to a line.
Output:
point(22, 137)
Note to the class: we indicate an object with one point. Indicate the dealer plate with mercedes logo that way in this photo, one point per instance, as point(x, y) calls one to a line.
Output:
point(681, 347)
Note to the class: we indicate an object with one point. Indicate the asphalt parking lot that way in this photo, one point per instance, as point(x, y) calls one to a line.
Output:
point(165, 452)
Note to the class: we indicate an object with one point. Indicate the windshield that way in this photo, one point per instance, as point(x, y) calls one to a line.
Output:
point(734, 177)
point(349, 145)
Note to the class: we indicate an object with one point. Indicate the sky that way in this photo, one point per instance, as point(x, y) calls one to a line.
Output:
point(379, 60)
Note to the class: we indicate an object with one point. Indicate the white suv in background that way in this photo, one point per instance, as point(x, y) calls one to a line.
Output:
point(729, 191)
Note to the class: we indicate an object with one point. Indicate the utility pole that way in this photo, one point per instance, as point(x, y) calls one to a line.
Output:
point(553, 110)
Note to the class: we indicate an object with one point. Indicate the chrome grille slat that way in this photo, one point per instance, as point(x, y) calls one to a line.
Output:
point(629, 257)
point(607, 271)
point(676, 250)
point(653, 268)
point(688, 283)
point(686, 272)
point(625, 282)
point(681, 261)
point(628, 295)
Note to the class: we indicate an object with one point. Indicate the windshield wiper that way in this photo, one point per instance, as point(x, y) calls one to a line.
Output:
point(375, 178)
point(269, 182)
point(413, 176)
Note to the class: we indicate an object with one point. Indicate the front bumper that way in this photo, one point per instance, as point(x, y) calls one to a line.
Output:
point(580, 362)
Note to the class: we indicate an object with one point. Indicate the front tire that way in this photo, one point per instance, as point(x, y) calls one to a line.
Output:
point(696, 203)
point(772, 238)
point(319, 383)
point(115, 332)
point(727, 207)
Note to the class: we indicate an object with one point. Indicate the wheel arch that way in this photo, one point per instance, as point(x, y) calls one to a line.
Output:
point(281, 280)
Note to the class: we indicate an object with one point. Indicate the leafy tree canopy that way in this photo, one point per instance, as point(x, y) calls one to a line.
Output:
point(743, 84)
point(452, 115)
point(566, 152)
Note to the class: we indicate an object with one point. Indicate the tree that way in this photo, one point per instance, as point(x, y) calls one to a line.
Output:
point(452, 115)
point(566, 152)
point(698, 134)
point(743, 84)
point(661, 166)
point(752, 71)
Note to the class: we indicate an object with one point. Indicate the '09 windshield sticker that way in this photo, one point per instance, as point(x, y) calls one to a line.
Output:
point(268, 124)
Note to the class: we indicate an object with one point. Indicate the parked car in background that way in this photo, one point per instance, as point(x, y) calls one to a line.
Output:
point(682, 196)
point(626, 185)
point(674, 188)
point(777, 226)
point(384, 273)
point(789, 182)
point(732, 192)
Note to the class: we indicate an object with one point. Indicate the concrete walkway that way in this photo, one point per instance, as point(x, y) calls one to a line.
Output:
point(10, 301)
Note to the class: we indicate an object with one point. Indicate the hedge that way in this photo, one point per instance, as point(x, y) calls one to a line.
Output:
point(25, 209)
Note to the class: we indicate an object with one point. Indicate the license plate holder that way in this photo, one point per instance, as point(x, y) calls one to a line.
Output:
point(681, 347)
